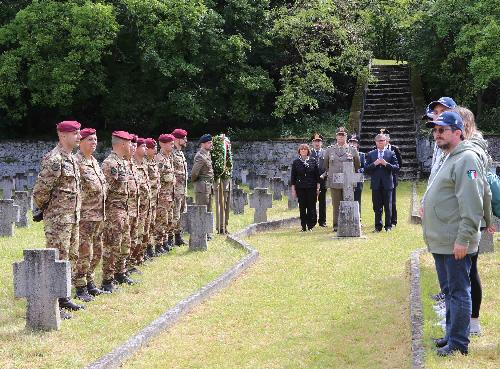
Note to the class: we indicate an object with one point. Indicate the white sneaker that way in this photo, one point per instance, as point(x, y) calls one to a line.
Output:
point(475, 327)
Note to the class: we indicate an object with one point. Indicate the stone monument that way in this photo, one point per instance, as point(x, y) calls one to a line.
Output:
point(7, 185)
point(22, 200)
point(9, 214)
point(239, 199)
point(199, 223)
point(260, 200)
point(42, 279)
point(278, 186)
point(349, 224)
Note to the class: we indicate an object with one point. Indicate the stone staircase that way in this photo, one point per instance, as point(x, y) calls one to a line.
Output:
point(388, 104)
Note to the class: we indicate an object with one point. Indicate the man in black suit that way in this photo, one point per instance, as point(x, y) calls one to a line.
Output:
point(381, 164)
point(395, 149)
point(318, 153)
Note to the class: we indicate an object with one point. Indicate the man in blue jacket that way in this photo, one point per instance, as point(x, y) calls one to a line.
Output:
point(381, 164)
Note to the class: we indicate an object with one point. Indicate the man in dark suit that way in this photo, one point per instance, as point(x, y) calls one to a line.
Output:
point(381, 164)
point(318, 153)
point(395, 149)
point(353, 141)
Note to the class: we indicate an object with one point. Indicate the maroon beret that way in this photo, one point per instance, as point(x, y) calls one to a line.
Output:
point(68, 126)
point(141, 141)
point(134, 138)
point(150, 143)
point(166, 138)
point(179, 133)
point(86, 132)
point(123, 135)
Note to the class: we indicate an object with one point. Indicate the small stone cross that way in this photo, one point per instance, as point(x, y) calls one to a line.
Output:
point(9, 214)
point(239, 199)
point(278, 186)
point(21, 181)
point(22, 199)
point(7, 185)
point(244, 174)
point(262, 181)
point(348, 179)
point(42, 279)
point(260, 200)
point(199, 223)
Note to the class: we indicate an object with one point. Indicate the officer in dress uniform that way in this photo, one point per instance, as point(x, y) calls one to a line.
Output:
point(202, 174)
point(318, 153)
point(358, 190)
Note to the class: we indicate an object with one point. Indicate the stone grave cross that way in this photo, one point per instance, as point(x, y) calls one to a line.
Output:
point(22, 199)
point(349, 224)
point(260, 200)
point(348, 179)
point(42, 279)
point(239, 199)
point(199, 223)
point(9, 214)
point(7, 185)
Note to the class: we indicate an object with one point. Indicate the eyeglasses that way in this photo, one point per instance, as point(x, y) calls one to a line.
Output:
point(440, 130)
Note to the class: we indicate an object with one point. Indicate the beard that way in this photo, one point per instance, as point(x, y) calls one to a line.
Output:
point(444, 146)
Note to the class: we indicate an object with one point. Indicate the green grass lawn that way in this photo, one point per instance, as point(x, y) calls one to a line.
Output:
point(310, 302)
point(110, 320)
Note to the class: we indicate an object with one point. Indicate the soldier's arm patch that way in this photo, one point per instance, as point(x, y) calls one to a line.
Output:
point(114, 171)
point(472, 174)
point(56, 166)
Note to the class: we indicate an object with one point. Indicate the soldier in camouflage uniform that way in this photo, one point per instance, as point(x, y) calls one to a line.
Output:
point(154, 180)
point(180, 188)
point(164, 212)
point(92, 216)
point(133, 200)
point(144, 191)
point(116, 239)
point(57, 195)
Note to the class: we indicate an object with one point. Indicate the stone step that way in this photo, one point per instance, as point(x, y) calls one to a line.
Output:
point(389, 67)
point(390, 112)
point(391, 79)
point(388, 94)
point(382, 90)
point(398, 105)
point(397, 139)
point(387, 123)
point(388, 100)
point(389, 84)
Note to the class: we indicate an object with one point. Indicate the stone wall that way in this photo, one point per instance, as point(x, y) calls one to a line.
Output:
point(272, 158)
point(425, 148)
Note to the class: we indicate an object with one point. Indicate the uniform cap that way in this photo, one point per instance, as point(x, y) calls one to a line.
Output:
point(385, 131)
point(134, 138)
point(353, 138)
point(166, 138)
point(150, 143)
point(141, 141)
point(341, 131)
point(68, 126)
point(316, 137)
point(179, 133)
point(86, 132)
point(205, 138)
point(123, 135)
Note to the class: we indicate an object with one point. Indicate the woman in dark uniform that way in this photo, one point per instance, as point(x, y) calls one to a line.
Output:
point(305, 186)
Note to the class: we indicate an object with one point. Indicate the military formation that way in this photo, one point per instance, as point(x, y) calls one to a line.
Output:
point(123, 212)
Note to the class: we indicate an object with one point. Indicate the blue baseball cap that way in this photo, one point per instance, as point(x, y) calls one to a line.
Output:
point(448, 118)
point(445, 101)
point(429, 114)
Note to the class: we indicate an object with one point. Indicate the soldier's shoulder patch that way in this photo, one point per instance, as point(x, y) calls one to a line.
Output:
point(472, 174)
point(114, 171)
point(56, 166)
point(160, 165)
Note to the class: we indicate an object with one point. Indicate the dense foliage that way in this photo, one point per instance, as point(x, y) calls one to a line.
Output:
point(249, 67)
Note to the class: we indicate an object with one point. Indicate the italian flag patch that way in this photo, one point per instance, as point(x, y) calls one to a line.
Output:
point(472, 174)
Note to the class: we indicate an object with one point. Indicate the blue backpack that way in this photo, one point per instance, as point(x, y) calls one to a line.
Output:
point(494, 182)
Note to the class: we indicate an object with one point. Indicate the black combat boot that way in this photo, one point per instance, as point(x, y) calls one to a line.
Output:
point(170, 240)
point(134, 270)
point(83, 294)
point(66, 303)
point(159, 250)
point(178, 240)
point(123, 278)
point(64, 315)
point(94, 291)
point(150, 252)
point(108, 286)
point(166, 247)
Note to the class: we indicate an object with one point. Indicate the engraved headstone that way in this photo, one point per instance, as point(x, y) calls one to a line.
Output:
point(21, 199)
point(9, 215)
point(239, 199)
point(278, 186)
point(199, 223)
point(41, 278)
point(7, 185)
point(260, 200)
point(244, 174)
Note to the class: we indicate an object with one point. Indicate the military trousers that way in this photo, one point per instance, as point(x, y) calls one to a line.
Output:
point(164, 221)
point(180, 207)
point(89, 251)
point(337, 196)
point(63, 237)
point(116, 245)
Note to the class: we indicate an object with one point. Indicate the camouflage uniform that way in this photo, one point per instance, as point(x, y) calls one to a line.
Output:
point(165, 208)
point(154, 180)
point(92, 216)
point(116, 241)
point(57, 194)
point(180, 188)
point(144, 191)
point(133, 209)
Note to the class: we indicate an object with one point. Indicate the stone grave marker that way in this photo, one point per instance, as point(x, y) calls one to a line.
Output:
point(278, 187)
point(260, 200)
point(239, 199)
point(42, 279)
point(7, 185)
point(22, 199)
point(349, 223)
point(262, 181)
point(199, 223)
point(9, 214)
point(21, 182)
point(251, 179)
point(244, 174)
point(31, 178)
point(189, 200)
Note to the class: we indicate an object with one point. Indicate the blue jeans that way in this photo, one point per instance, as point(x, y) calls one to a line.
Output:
point(454, 281)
